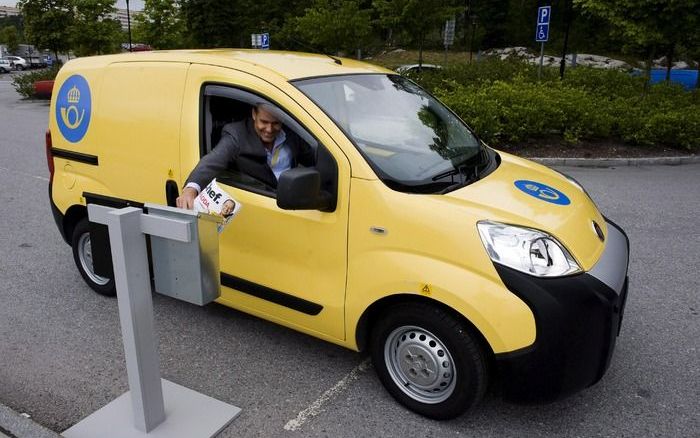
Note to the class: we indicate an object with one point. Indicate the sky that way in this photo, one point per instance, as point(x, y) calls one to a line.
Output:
point(135, 5)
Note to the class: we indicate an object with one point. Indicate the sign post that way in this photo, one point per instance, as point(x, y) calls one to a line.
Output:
point(449, 37)
point(542, 31)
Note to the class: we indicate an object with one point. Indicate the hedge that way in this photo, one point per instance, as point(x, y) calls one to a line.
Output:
point(505, 103)
point(24, 83)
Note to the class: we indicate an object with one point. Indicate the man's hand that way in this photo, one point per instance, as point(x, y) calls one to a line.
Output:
point(186, 199)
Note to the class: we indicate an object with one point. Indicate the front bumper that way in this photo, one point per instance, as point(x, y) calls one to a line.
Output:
point(577, 319)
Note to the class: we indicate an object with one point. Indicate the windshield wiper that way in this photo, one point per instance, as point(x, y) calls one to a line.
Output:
point(462, 169)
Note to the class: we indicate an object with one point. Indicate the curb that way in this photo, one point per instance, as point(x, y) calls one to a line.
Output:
point(617, 162)
point(19, 426)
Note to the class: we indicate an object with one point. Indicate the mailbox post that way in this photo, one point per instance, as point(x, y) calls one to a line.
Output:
point(153, 407)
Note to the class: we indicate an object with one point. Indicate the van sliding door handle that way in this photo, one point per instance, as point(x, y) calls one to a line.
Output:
point(171, 192)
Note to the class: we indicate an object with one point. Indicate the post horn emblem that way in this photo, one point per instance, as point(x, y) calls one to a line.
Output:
point(71, 116)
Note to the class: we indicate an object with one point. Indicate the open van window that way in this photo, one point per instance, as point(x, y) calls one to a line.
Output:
point(222, 105)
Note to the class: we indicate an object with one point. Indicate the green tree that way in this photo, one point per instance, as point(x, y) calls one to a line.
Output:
point(388, 18)
point(48, 23)
point(270, 16)
point(9, 36)
point(160, 24)
point(416, 17)
point(229, 23)
point(93, 31)
point(212, 23)
point(651, 27)
point(332, 26)
point(493, 19)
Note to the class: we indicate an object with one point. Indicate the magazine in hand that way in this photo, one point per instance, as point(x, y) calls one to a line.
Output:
point(214, 200)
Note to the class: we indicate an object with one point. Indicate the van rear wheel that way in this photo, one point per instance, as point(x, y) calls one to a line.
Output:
point(82, 254)
point(428, 360)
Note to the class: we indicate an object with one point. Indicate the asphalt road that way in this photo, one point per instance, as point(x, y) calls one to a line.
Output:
point(61, 355)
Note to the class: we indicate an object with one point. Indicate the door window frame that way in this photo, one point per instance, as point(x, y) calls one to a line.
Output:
point(249, 97)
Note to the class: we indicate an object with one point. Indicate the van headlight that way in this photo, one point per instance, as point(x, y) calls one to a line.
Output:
point(526, 250)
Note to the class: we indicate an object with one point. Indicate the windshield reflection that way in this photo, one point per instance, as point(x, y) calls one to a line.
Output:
point(406, 135)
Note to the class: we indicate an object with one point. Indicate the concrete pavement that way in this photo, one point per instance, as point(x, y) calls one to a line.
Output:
point(19, 426)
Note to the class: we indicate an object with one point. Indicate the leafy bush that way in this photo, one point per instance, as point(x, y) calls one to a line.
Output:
point(504, 102)
point(24, 83)
point(610, 83)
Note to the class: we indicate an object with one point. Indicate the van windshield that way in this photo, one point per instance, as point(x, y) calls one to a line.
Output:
point(410, 139)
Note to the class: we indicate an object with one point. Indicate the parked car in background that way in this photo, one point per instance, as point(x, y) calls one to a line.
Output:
point(5, 65)
point(415, 68)
point(36, 61)
point(18, 62)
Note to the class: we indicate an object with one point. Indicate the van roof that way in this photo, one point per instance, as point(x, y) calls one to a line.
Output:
point(288, 65)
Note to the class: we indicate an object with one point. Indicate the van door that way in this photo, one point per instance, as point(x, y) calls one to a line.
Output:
point(285, 266)
point(137, 126)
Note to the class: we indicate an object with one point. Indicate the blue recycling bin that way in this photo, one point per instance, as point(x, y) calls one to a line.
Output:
point(686, 78)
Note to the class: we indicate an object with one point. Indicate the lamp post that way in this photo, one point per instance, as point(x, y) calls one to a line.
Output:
point(567, 21)
point(128, 23)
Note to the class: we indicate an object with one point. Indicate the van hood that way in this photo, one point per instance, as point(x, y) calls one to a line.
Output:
point(521, 192)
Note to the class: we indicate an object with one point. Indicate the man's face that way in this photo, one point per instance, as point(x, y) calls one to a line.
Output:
point(227, 208)
point(266, 125)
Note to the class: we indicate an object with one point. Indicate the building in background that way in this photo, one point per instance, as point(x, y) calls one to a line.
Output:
point(8, 11)
point(121, 16)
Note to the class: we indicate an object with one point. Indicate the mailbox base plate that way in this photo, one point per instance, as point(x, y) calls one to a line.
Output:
point(188, 414)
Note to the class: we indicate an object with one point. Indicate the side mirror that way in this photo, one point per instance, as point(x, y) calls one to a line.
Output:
point(300, 189)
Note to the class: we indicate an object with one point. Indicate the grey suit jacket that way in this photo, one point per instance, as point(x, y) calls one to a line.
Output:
point(240, 148)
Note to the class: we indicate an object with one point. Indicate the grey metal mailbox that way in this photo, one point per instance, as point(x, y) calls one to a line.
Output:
point(155, 407)
point(187, 271)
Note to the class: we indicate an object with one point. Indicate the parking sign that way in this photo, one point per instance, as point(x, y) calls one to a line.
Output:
point(542, 31)
point(260, 40)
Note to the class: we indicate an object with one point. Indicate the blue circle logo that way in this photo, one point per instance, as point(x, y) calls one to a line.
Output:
point(73, 107)
point(542, 192)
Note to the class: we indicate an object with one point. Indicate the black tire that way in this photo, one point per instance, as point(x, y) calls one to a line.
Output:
point(428, 339)
point(82, 254)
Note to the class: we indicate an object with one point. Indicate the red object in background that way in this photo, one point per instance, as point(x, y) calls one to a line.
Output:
point(42, 89)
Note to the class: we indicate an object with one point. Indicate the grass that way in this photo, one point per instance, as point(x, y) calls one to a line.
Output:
point(394, 58)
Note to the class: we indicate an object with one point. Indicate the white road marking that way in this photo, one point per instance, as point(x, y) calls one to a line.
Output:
point(43, 178)
point(317, 407)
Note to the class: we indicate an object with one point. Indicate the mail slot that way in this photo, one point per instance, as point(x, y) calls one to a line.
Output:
point(187, 271)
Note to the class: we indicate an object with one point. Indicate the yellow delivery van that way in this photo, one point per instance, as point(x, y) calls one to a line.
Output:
point(449, 262)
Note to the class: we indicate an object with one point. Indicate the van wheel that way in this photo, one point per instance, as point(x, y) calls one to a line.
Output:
point(82, 254)
point(428, 360)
